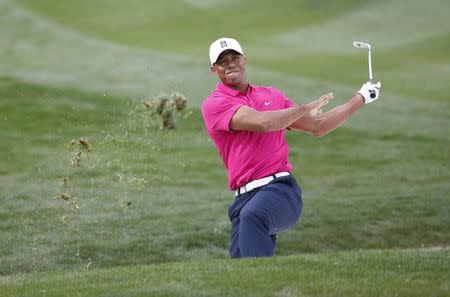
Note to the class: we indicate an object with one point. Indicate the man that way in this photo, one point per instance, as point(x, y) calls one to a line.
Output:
point(247, 124)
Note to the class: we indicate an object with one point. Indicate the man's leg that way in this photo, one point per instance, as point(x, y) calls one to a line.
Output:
point(233, 213)
point(235, 252)
point(234, 245)
point(272, 209)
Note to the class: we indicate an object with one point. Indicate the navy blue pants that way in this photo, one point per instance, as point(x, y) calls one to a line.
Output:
point(258, 216)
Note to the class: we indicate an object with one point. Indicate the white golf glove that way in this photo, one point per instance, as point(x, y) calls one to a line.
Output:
point(370, 91)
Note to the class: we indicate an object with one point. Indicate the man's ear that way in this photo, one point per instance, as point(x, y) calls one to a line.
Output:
point(213, 69)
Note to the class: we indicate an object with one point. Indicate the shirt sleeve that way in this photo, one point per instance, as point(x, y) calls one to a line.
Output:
point(218, 112)
point(287, 102)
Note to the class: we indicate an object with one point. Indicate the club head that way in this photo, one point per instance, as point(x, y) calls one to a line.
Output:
point(360, 44)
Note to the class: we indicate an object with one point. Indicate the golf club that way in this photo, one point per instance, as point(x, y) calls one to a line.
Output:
point(359, 44)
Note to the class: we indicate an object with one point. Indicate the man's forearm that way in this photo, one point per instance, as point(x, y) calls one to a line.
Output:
point(322, 124)
point(281, 119)
point(332, 119)
point(249, 119)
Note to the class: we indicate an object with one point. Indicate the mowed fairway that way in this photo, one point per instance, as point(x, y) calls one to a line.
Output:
point(154, 202)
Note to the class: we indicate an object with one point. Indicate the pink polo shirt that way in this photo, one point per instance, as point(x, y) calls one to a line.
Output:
point(246, 155)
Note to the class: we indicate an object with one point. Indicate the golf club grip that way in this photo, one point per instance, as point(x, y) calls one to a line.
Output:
point(372, 92)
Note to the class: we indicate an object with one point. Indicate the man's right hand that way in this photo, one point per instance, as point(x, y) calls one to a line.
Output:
point(370, 91)
point(315, 107)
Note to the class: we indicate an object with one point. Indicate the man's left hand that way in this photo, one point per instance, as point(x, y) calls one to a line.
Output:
point(370, 91)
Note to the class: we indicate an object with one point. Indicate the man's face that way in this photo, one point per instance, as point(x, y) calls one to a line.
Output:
point(230, 67)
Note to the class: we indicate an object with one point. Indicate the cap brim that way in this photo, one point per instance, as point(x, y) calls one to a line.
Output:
point(227, 50)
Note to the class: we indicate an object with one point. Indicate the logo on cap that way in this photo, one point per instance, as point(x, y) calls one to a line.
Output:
point(223, 43)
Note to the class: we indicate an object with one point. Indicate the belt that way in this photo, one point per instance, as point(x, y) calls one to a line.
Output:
point(257, 183)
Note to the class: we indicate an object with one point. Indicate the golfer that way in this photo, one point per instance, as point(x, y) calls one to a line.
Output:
point(247, 124)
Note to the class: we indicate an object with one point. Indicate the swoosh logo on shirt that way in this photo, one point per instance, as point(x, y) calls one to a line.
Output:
point(267, 102)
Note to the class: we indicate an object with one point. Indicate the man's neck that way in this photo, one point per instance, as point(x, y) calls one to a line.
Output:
point(240, 87)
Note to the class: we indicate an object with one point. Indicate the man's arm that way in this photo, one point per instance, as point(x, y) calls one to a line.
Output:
point(249, 119)
point(324, 123)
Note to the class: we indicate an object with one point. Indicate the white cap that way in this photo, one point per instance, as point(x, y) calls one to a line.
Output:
point(223, 44)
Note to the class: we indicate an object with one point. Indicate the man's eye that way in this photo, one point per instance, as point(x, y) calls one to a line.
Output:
point(225, 61)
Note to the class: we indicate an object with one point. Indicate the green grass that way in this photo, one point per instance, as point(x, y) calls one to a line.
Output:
point(406, 273)
point(179, 212)
point(156, 25)
point(152, 203)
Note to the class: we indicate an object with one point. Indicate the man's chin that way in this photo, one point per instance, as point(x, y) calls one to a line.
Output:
point(233, 78)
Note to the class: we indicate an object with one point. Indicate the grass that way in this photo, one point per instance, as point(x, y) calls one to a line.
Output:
point(155, 25)
point(148, 204)
point(359, 273)
point(168, 209)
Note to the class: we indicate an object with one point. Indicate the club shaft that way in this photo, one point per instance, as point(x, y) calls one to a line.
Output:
point(370, 65)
